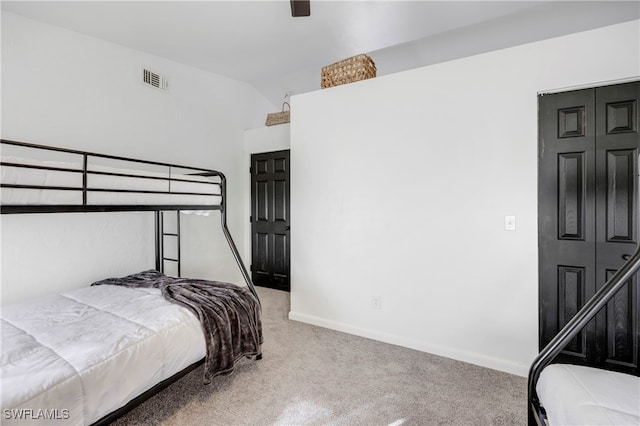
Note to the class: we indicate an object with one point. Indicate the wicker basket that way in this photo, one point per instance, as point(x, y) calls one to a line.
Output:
point(279, 117)
point(356, 68)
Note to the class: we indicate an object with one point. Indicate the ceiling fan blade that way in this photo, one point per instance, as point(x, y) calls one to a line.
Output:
point(300, 8)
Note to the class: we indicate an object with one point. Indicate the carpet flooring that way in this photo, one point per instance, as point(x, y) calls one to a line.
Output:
point(314, 376)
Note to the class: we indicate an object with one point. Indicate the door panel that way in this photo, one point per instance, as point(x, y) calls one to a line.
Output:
point(617, 144)
point(619, 216)
point(571, 194)
point(621, 329)
point(262, 201)
point(281, 202)
point(566, 214)
point(270, 217)
point(571, 297)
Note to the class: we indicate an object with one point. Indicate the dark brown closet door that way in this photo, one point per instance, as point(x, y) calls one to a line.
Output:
point(588, 219)
point(617, 143)
point(270, 220)
point(566, 215)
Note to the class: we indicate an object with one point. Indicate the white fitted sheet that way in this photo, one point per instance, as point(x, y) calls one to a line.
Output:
point(90, 351)
point(52, 178)
point(577, 395)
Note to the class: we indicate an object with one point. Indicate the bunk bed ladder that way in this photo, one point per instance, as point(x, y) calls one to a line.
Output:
point(161, 233)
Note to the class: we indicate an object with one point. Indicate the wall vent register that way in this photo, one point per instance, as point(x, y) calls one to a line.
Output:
point(155, 80)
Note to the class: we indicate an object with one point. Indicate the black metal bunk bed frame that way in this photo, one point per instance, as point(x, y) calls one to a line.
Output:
point(85, 207)
point(536, 413)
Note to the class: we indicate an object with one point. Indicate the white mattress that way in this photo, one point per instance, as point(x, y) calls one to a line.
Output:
point(52, 178)
point(87, 352)
point(577, 395)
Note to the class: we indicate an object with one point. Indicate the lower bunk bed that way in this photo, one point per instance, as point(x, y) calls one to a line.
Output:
point(579, 395)
point(76, 357)
point(88, 355)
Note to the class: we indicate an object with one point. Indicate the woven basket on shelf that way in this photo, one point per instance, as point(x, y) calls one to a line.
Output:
point(356, 68)
point(279, 117)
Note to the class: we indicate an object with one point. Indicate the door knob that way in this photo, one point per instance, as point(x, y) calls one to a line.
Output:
point(626, 256)
point(286, 228)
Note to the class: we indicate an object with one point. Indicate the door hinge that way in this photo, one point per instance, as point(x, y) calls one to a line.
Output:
point(250, 219)
point(250, 169)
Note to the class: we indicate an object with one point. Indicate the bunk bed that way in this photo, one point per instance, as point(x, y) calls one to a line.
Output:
point(89, 355)
point(562, 394)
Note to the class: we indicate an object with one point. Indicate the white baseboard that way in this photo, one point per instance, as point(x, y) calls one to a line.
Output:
point(448, 352)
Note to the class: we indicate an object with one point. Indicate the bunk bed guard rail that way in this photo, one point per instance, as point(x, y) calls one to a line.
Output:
point(188, 175)
point(569, 331)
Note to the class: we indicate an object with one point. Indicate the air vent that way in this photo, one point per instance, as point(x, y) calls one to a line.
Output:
point(154, 80)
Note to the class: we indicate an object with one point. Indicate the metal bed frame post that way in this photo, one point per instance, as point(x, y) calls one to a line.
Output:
point(85, 166)
point(569, 331)
point(178, 244)
point(158, 226)
point(227, 234)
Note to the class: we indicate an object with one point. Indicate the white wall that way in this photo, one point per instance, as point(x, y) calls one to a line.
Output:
point(66, 89)
point(400, 186)
point(262, 139)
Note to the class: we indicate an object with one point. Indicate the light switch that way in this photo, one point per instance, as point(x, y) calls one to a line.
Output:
point(509, 223)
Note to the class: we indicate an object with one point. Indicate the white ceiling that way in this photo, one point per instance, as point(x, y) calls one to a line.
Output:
point(260, 43)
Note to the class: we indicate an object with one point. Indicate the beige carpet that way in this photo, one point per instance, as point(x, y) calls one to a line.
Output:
point(311, 376)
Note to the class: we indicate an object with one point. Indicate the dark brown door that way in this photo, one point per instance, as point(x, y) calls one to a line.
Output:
point(270, 220)
point(566, 216)
point(617, 143)
point(588, 214)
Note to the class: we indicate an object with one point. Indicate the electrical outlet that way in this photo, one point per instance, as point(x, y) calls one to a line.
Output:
point(376, 303)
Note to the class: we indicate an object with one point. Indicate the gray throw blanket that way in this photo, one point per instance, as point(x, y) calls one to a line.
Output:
point(229, 315)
